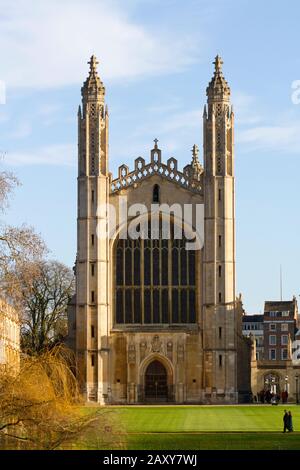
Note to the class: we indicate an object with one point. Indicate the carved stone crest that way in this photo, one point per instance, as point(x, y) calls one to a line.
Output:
point(156, 344)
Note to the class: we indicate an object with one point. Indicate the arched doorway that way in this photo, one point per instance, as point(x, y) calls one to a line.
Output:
point(156, 382)
point(272, 383)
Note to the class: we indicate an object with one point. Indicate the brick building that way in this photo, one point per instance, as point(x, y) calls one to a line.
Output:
point(280, 326)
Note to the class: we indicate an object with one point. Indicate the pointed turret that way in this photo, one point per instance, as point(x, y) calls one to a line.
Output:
point(194, 170)
point(93, 125)
point(93, 88)
point(196, 165)
point(218, 125)
point(218, 89)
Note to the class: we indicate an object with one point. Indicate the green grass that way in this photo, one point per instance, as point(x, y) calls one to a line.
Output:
point(213, 441)
point(200, 427)
point(205, 418)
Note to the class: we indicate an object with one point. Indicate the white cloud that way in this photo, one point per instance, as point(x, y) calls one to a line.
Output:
point(46, 44)
point(58, 155)
point(258, 131)
point(277, 138)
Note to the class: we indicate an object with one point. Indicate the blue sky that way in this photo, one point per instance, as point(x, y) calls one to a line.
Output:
point(156, 60)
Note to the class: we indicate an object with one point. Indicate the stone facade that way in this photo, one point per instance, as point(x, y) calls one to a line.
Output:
point(133, 342)
point(276, 376)
point(9, 337)
point(278, 369)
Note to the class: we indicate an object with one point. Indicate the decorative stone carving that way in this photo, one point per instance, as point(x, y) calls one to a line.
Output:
point(218, 87)
point(156, 344)
point(169, 171)
point(131, 354)
point(195, 169)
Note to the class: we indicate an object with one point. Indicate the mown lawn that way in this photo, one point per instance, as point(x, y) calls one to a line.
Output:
point(198, 427)
point(214, 441)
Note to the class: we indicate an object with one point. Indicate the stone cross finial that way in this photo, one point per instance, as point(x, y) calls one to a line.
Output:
point(218, 63)
point(155, 143)
point(93, 62)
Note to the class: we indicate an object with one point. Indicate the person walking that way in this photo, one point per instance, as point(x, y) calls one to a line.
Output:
point(285, 421)
point(290, 422)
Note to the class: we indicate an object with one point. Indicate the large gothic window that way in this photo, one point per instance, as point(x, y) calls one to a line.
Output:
point(155, 281)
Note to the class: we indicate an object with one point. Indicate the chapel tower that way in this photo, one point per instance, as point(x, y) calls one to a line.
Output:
point(92, 263)
point(155, 321)
point(219, 303)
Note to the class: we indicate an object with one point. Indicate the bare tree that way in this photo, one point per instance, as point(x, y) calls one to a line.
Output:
point(20, 247)
point(8, 181)
point(45, 300)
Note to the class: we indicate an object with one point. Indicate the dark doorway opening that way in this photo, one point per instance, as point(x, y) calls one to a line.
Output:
point(156, 382)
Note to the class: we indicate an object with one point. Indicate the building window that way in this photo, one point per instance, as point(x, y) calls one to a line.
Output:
point(220, 297)
point(156, 191)
point(93, 296)
point(220, 195)
point(93, 196)
point(272, 340)
point(285, 313)
point(155, 280)
point(220, 241)
point(220, 360)
point(284, 327)
point(92, 331)
point(93, 360)
point(93, 269)
point(220, 271)
point(273, 326)
point(272, 354)
point(284, 339)
point(93, 239)
point(273, 314)
point(284, 354)
point(220, 332)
